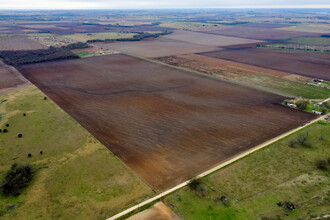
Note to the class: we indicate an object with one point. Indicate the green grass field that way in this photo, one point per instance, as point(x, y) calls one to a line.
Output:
point(320, 41)
point(287, 87)
point(255, 184)
point(76, 176)
point(85, 54)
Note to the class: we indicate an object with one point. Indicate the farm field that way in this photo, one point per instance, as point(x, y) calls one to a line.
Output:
point(159, 47)
point(305, 27)
point(152, 124)
point(76, 176)
point(310, 64)
point(267, 79)
point(318, 41)
point(10, 79)
point(207, 39)
point(257, 186)
point(19, 43)
point(261, 33)
point(100, 36)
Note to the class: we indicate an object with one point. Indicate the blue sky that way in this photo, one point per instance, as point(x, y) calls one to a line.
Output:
point(137, 4)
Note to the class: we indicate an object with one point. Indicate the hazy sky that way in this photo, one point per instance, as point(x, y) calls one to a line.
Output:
point(137, 4)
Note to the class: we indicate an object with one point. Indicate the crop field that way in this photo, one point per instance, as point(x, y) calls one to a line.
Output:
point(267, 79)
point(76, 177)
point(256, 185)
point(159, 47)
point(165, 124)
point(100, 36)
point(10, 78)
point(318, 41)
point(19, 43)
point(68, 28)
point(302, 63)
point(312, 28)
point(261, 33)
point(207, 39)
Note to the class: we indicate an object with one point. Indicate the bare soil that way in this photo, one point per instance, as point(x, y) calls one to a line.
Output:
point(159, 211)
point(10, 79)
point(159, 47)
point(310, 64)
point(19, 43)
point(207, 39)
point(166, 124)
point(222, 68)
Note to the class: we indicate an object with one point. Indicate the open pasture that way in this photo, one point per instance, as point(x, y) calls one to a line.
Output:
point(261, 33)
point(19, 43)
point(165, 124)
point(314, 65)
point(159, 47)
point(207, 39)
point(76, 176)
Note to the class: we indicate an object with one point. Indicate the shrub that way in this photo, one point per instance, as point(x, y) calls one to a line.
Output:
point(29, 155)
point(7, 125)
point(5, 130)
point(292, 143)
point(19, 135)
point(194, 183)
point(45, 98)
point(16, 179)
point(201, 189)
point(41, 152)
point(24, 114)
point(322, 164)
point(302, 105)
point(308, 143)
point(0, 130)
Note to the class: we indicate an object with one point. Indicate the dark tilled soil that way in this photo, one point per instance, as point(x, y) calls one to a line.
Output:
point(311, 64)
point(165, 124)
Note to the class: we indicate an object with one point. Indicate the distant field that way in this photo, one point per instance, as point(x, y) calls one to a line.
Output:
point(267, 79)
point(312, 28)
point(285, 86)
point(186, 25)
point(19, 43)
point(255, 184)
point(76, 176)
point(298, 62)
point(101, 36)
point(207, 39)
point(260, 33)
point(157, 47)
point(319, 41)
point(146, 113)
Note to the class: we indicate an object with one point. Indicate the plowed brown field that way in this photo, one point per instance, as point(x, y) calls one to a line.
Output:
point(165, 124)
point(310, 64)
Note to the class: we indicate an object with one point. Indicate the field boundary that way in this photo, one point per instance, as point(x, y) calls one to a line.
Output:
point(211, 76)
point(214, 169)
